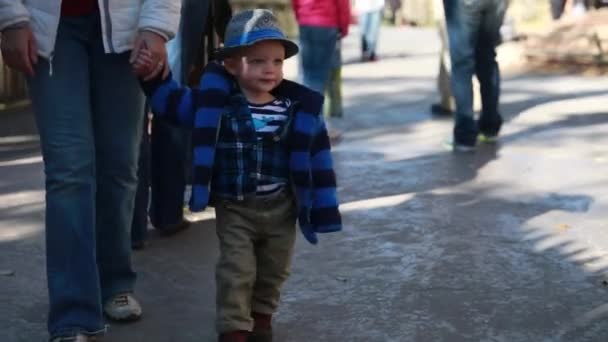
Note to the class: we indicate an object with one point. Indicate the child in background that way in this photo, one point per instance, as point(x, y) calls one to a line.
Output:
point(261, 158)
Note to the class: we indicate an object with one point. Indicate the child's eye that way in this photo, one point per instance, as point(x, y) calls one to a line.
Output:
point(257, 61)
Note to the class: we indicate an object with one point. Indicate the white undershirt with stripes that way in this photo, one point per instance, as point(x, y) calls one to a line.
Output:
point(267, 118)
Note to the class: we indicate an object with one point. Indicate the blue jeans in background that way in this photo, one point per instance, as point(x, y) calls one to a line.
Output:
point(474, 32)
point(369, 23)
point(317, 49)
point(164, 158)
point(89, 114)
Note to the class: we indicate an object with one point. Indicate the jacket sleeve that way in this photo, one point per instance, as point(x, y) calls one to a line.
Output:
point(179, 104)
point(325, 216)
point(170, 101)
point(159, 16)
point(12, 12)
point(343, 16)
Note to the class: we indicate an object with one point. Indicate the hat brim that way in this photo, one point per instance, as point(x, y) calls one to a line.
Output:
point(291, 48)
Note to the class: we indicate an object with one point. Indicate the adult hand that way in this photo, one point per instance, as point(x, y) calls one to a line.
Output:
point(19, 49)
point(156, 44)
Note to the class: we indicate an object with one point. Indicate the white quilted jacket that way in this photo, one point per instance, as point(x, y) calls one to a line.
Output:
point(120, 20)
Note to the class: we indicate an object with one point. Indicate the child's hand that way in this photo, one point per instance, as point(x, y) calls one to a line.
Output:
point(142, 66)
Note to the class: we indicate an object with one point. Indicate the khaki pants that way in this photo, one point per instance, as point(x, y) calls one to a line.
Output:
point(256, 246)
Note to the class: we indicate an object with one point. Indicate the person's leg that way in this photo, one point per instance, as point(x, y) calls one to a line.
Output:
point(62, 109)
point(364, 26)
point(118, 112)
point(462, 19)
point(317, 49)
point(170, 146)
point(373, 32)
point(557, 8)
point(445, 106)
point(139, 227)
point(445, 87)
point(487, 69)
point(274, 253)
point(333, 95)
point(236, 267)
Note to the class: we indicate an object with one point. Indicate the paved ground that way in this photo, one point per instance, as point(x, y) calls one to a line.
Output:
point(509, 244)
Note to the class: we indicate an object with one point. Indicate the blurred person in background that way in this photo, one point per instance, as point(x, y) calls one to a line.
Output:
point(370, 19)
point(445, 105)
point(394, 6)
point(473, 28)
point(321, 24)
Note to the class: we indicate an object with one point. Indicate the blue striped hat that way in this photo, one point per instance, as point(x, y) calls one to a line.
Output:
point(253, 26)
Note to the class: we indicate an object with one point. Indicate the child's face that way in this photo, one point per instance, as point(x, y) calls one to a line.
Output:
point(260, 68)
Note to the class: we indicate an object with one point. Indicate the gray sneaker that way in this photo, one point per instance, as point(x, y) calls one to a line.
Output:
point(123, 308)
point(77, 338)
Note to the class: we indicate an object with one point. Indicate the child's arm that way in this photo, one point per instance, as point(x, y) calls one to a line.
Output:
point(170, 101)
point(167, 99)
point(178, 104)
point(325, 216)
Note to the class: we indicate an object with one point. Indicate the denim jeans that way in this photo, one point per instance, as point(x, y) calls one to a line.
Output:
point(317, 49)
point(88, 107)
point(369, 23)
point(139, 226)
point(474, 32)
point(165, 154)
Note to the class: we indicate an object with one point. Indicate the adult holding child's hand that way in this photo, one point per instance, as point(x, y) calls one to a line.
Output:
point(156, 45)
point(88, 106)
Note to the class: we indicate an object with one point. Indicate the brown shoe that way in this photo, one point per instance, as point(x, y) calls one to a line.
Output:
point(234, 336)
point(262, 328)
point(260, 335)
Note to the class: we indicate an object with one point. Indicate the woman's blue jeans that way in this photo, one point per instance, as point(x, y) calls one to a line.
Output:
point(88, 107)
point(317, 49)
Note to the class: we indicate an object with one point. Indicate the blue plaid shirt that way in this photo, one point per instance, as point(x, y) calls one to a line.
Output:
point(246, 159)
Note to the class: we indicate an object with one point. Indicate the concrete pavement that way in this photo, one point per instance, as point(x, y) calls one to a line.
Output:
point(508, 244)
